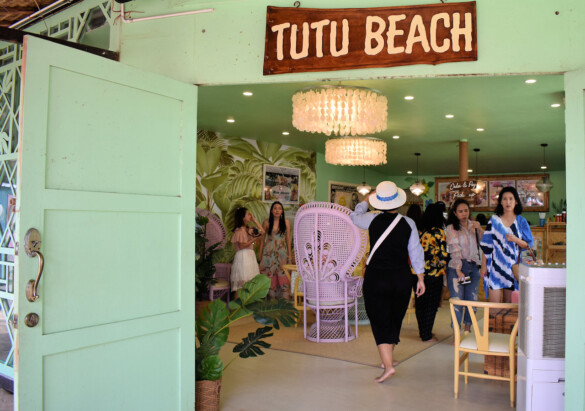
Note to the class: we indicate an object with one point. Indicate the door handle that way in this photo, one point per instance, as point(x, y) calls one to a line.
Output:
point(32, 246)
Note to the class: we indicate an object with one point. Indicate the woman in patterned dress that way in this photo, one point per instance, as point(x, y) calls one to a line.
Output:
point(434, 245)
point(275, 251)
point(506, 233)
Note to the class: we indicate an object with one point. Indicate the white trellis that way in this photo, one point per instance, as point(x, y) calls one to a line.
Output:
point(71, 28)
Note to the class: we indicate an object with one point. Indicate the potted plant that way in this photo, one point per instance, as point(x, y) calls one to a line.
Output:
point(204, 268)
point(212, 329)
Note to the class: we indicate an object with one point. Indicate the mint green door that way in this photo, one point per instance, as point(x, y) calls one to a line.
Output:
point(107, 164)
point(575, 166)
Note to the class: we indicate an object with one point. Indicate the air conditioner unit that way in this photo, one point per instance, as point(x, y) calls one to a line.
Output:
point(541, 337)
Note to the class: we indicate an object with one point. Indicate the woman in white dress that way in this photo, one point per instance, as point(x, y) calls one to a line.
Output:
point(245, 266)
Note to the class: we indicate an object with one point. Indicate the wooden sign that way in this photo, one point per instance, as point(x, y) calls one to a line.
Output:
point(460, 189)
point(301, 40)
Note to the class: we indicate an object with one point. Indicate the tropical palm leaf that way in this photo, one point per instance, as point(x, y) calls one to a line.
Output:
point(241, 148)
point(211, 323)
point(209, 368)
point(207, 160)
point(254, 290)
point(250, 345)
point(272, 311)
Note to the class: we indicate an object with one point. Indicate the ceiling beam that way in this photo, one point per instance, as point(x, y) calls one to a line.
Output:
point(17, 36)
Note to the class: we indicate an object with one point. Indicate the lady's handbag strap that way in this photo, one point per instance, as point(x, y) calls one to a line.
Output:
point(383, 237)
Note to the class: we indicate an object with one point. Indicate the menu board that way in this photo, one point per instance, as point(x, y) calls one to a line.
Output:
point(482, 194)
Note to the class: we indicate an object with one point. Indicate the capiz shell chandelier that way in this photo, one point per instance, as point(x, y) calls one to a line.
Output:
point(340, 110)
point(355, 151)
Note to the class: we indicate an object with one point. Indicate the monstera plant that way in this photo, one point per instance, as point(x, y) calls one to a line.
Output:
point(212, 328)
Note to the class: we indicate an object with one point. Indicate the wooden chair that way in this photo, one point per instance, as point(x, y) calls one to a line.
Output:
point(481, 341)
point(296, 287)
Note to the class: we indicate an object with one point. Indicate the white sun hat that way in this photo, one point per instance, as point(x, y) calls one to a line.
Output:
point(387, 196)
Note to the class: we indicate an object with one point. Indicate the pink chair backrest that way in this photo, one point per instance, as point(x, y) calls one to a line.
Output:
point(215, 230)
point(222, 271)
point(328, 246)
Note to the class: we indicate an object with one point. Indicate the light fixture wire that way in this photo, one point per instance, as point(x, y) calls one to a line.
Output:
point(417, 188)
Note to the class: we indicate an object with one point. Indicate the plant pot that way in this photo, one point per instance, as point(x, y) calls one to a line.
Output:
point(207, 395)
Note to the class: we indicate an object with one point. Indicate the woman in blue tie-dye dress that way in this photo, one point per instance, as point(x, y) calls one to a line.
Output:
point(506, 233)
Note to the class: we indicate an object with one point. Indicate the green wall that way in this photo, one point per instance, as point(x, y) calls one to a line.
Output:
point(520, 36)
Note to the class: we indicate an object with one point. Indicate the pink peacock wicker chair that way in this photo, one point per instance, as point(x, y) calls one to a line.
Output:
point(216, 233)
point(328, 247)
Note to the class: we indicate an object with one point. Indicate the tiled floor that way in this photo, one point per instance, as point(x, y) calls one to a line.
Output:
point(289, 381)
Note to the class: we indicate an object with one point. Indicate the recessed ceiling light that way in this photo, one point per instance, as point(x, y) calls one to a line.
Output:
point(230, 120)
point(395, 137)
point(449, 116)
point(285, 133)
point(469, 170)
point(248, 93)
point(409, 97)
point(530, 81)
point(555, 105)
point(480, 129)
point(409, 172)
point(543, 167)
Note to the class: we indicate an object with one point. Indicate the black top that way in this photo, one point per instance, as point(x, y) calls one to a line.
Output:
point(393, 252)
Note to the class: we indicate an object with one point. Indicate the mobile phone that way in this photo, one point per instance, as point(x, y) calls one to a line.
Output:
point(466, 280)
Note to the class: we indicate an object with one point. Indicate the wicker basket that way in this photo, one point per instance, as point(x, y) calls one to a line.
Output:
point(207, 395)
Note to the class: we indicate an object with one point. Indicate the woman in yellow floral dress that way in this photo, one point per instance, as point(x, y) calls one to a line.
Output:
point(433, 241)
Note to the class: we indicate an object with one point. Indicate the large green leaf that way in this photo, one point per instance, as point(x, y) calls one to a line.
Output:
point(212, 181)
point(241, 148)
point(268, 150)
point(211, 323)
point(207, 161)
point(209, 368)
point(272, 311)
point(250, 345)
point(254, 290)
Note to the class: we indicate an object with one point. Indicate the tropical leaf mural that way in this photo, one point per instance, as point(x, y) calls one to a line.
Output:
point(229, 175)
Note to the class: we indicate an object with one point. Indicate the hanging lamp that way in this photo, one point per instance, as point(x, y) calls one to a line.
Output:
point(544, 184)
point(364, 188)
point(479, 185)
point(355, 151)
point(417, 188)
point(340, 110)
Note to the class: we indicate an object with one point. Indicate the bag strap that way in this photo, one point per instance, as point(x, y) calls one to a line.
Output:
point(477, 243)
point(383, 237)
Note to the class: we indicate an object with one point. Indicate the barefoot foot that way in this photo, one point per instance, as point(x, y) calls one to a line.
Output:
point(385, 375)
point(394, 364)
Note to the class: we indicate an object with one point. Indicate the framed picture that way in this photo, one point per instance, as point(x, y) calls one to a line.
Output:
point(495, 186)
point(448, 189)
point(531, 198)
point(280, 184)
point(344, 194)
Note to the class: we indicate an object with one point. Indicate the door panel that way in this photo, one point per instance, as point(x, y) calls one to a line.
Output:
point(152, 391)
point(146, 269)
point(575, 166)
point(108, 178)
point(143, 165)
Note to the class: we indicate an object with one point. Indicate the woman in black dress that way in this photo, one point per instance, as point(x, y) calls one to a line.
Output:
point(388, 278)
